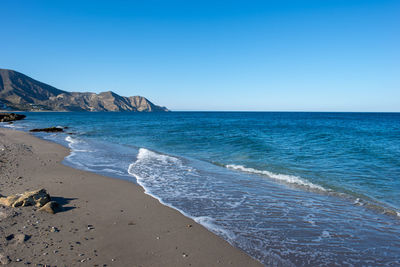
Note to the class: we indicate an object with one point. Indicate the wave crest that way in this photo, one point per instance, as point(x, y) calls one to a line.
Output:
point(291, 179)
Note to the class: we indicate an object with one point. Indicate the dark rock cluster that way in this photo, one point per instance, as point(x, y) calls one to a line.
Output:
point(48, 130)
point(7, 117)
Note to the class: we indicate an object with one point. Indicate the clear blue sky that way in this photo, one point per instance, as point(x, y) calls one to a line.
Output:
point(213, 55)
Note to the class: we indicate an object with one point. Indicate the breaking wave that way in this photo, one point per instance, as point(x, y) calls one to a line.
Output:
point(290, 179)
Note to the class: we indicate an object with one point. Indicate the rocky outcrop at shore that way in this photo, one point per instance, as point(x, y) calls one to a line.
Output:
point(38, 198)
point(7, 117)
point(48, 130)
point(20, 92)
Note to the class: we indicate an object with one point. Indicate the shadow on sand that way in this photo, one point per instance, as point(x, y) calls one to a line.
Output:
point(63, 201)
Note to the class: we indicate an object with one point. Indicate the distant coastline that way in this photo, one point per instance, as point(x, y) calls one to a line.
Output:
point(20, 92)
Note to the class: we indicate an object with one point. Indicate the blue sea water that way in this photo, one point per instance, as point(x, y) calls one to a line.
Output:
point(290, 189)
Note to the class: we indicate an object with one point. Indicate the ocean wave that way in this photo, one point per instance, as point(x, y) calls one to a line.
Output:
point(145, 154)
point(291, 179)
point(72, 142)
point(154, 171)
point(7, 125)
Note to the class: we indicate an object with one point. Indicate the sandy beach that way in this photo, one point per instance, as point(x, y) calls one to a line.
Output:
point(105, 221)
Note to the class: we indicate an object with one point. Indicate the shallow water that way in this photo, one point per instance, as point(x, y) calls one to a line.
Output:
point(288, 188)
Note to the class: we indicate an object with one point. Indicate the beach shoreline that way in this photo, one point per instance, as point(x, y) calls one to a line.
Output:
point(105, 222)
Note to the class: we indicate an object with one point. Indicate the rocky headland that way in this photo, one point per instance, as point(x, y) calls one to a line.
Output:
point(20, 92)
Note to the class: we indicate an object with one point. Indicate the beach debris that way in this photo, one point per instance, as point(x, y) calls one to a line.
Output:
point(36, 198)
point(48, 130)
point(184, 255)
point(189, 226)
point(51, 207)
point(90, 227)
point(7, 117)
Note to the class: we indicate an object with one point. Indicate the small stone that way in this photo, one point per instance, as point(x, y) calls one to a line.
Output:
point(54, 229)
point(51, 207)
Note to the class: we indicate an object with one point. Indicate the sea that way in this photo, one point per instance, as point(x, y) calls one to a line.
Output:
point(288, 188)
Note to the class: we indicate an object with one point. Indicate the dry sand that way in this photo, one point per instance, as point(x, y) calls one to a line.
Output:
point(106, 221)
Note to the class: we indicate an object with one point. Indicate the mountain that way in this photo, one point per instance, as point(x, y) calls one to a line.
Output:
point(20, 92)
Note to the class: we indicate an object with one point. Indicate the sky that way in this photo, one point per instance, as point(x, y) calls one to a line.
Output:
point(271, 55)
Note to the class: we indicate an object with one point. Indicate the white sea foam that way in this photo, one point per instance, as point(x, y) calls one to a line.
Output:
point(8, 125)
point(291, 179)
point(154, 171)
point(208, 223)
point(358, 202)
point(71, 140)
point(71, 144)
point(145, 154)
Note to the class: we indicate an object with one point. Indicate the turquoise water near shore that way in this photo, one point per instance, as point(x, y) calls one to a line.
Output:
point(290, 189)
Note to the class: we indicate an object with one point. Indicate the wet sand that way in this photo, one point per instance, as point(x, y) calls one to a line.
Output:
point(105, 221)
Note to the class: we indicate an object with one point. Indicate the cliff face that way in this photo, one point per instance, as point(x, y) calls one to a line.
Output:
point(20, 92)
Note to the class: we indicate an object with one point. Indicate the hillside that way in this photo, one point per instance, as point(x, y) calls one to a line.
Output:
point(20, 92)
